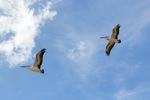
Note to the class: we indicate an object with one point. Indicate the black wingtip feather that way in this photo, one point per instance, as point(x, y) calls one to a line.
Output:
point(42, 71)
point(43, 50)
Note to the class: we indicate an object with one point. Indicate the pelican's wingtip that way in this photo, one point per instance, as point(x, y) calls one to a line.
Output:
point(44, 50)
point(118, 25)
point(107, 53)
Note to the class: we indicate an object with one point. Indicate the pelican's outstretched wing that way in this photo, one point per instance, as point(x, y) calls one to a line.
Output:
point(109, 46)
point(39, 58)
point(115, 31)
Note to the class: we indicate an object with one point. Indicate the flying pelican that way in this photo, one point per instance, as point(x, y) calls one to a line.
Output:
point(113, 39)
point(38, 62)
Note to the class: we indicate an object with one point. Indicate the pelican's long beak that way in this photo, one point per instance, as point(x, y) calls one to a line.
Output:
point(25, 66)
point(102, 37)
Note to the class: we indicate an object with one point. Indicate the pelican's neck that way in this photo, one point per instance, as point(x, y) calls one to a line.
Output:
point(107, 38)
point(30, 67)
point(35, 69)
point(113, 40)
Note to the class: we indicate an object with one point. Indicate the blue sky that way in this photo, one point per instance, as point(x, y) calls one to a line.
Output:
point(76, 66)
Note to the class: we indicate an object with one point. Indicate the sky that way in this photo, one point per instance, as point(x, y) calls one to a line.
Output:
point(76, 66)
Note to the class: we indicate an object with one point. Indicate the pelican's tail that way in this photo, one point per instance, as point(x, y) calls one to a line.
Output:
point(42, 71)
point(119, 41)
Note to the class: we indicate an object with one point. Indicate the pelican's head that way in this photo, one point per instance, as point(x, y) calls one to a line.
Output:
point(42, 71)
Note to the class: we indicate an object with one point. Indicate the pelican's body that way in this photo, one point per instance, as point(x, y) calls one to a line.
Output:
point(33, 68)
point(113, 39)
point(38, 62)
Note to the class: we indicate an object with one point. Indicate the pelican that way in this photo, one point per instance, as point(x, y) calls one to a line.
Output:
point(113, 39)
point(38, 62)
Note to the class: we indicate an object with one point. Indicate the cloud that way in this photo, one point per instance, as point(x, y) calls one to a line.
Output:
point(19, 24)
point(80, 51)
point(138, 93)
point(80, 54)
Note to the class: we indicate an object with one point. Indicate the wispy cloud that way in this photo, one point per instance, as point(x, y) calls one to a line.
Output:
point(137, 93)
point(19, 24)
point(81, 55)
point(80, 51)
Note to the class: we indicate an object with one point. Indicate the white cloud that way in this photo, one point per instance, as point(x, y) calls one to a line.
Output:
point(19, 24)
point(81, 48)
point(81, 55)
point(138, 93)
point(78, 52)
